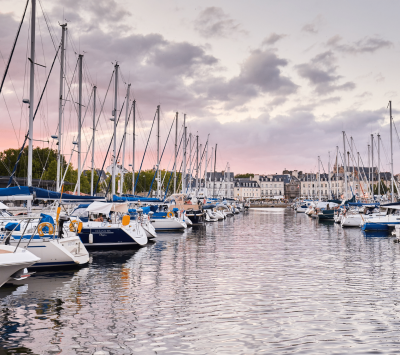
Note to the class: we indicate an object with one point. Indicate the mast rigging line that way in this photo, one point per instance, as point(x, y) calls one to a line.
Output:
point(37, 107)
point(173, 168)
point(120, 112)
point(144, 154)
point(13, 48)
point(120, 146)
point(158, 167)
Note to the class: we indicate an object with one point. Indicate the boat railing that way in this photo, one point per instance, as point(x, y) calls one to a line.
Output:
point(28, 218)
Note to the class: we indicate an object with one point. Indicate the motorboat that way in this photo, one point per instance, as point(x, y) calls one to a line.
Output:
point(210, 215)
point(14, 262)
point(385, 222)
point(108, 225)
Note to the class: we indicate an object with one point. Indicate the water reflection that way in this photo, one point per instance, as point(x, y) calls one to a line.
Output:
point(268, 282)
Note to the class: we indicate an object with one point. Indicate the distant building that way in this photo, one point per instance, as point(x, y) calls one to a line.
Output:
point(118, 169)
point(99, 173)
point(272, 186)
point(292, 188)
point(246, 188)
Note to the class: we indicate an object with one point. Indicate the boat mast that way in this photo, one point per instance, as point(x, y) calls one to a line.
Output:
point(352, 159)
point(319, 180)
point(337, 172)
point(124, 137)
point(134, 141)
point(344, 164)
point(190, 162)
point(60, 105)
point(211, 166)
point(379, 165)
point(197, 164)
point(358, 173)
point(329, 175)
point(215, 163)
point(348, 165)
point(205, 170)
point(93, 139)
point(80, 58)
point(31, 99)
point(158, 153)
point(176, 150)
point(184, 156)
point(391, 151)
point(114, 160)
point(372, 163)
point(369, 167)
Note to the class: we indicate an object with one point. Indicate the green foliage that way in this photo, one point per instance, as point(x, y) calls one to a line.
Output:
point(146, 177)
point(44, 163)
point(384, 188)
point(44, 166)
point(243, 176)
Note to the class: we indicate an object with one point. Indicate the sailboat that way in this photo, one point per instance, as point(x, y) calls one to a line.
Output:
point(13, 263)
point(108, 225)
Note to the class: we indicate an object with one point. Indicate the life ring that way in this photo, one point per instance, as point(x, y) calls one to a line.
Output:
point(75, 226)
point(43, 225)
point(170, 214)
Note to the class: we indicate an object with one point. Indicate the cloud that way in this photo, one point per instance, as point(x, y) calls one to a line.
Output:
point(259, 74)
point(287, 138)
point(214, 22)
point(321, 74)
point(104, 10)
point(365, 45)
point(313, 27)
point(272, 39)
point(183, 58)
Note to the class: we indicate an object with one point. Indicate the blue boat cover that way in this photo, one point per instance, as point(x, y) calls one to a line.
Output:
point(145, 210)
point(159, 215)
point(15, 191)
point(132, 198)
point(153, 208)
point(11, 225)
point(48, 219)
point(207, 207)
point(52, 195)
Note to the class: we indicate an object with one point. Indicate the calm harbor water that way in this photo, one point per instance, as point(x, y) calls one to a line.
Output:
point(265, 282)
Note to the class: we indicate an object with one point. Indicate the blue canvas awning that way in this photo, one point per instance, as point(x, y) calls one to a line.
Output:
point(132, 198)
point(42, 194)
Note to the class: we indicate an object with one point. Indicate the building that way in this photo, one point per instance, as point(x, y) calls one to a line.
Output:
point(292, 188)
point(99, 173)
point(220, 184)
point(246, 188)
point(359, 182)
point(272, 186)
point(118, 169)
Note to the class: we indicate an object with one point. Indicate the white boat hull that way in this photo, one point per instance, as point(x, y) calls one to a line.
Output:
point(67, 251)
point(168, 224)
point(11, 262)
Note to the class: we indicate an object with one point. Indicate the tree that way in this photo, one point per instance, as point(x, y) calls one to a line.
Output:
point(385, 189)
point(247, 175)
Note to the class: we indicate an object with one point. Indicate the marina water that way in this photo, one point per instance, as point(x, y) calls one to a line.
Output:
point(267, 282)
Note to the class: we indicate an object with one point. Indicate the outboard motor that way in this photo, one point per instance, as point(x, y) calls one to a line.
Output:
point(61, 222)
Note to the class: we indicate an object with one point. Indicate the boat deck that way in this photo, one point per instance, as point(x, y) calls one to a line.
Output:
point(2, 251)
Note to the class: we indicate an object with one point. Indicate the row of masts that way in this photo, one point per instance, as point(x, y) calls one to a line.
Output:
point(371, 162)
point(78, 144)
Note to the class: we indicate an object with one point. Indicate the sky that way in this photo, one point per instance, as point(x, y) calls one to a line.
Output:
point(273, 84)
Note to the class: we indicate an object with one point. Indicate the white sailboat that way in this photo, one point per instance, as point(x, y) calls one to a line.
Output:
point(108, 225)
point(13, 263)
